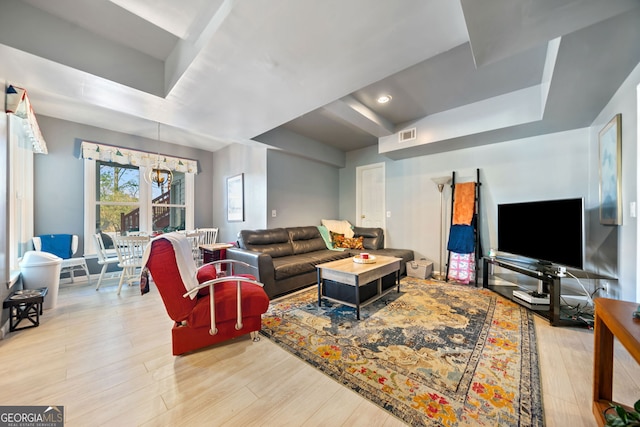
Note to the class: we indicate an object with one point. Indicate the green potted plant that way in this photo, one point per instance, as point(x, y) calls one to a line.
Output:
point(618, 416)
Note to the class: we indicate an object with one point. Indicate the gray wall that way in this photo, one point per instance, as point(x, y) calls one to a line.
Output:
point(232, 160)
point(301, 191)
point(59, 175)
point(622, 240)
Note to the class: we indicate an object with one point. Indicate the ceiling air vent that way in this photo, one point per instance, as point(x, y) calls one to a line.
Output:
point(407, 135)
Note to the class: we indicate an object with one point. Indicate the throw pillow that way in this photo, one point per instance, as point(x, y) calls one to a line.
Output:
point(351, 243)
point(336, 239)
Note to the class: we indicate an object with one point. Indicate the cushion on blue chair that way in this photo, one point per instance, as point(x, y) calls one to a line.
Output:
point(57, 244)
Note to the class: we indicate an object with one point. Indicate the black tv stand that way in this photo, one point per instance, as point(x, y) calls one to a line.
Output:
point(550, 283)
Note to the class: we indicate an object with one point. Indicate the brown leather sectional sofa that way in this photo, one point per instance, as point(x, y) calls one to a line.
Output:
point(284, 259)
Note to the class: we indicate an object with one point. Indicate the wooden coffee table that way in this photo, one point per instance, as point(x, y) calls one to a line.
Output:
point(356, 284)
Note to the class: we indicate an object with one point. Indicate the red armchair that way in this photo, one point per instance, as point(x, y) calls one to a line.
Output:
point(215, 310)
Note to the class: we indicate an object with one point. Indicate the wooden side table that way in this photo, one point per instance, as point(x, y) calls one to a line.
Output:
point(214, 252)
point(25, 305)
point(613, 318)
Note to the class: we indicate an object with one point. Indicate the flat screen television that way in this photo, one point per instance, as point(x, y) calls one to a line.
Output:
point(546, 231)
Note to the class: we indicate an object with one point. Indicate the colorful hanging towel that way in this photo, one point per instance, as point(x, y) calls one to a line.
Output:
point(462, 268)
point(464, 202)
point(461, 239)
point(57, 244)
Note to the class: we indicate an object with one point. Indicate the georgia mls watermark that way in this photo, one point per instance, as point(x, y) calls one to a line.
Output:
point(31, 416)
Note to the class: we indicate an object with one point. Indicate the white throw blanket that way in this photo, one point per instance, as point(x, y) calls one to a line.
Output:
point(184, 258)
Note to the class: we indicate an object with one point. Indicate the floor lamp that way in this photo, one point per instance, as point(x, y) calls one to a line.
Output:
point(440, 182)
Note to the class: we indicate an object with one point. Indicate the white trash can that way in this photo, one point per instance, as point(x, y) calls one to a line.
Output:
point(42, 270)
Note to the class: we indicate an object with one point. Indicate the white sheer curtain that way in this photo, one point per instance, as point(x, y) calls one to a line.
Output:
point(21, 190)
point(25, 139)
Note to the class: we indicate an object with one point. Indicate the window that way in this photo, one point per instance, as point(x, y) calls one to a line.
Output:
point(122, 201)
point(118, 205)
point(169, 208)
point(117, 198)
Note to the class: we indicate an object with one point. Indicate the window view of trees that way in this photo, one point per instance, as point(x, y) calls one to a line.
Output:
point(118, 197)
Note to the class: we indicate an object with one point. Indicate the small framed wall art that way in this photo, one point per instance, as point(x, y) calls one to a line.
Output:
point(235, 198)
point(610, 141)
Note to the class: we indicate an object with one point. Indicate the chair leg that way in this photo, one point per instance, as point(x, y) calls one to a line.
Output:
point(131, 277)
point(86, 271)
point(104, 269)
point(255, 336)
point(124, 273)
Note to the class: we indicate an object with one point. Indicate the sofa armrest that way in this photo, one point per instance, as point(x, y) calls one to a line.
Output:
point(261, 263)
point(373, 237)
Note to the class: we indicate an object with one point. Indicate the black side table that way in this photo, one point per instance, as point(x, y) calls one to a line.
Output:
point(25, 305)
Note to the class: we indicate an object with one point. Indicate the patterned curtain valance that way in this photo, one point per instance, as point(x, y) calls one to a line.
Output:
point(126, 156)
point(19, 105)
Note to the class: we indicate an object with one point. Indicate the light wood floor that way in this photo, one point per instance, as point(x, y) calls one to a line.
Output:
point(107, 360)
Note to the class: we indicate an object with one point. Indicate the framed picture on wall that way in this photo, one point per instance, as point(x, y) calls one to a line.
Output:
point(610, 141)
point(235, 198)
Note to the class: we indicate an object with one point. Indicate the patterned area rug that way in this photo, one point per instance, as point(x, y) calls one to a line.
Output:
point(435, 354)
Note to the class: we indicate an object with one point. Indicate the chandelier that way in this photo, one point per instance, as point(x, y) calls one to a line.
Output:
point(158, 173)
point(160, 176)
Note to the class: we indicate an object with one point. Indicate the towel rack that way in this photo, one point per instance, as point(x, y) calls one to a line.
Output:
point(475, 224)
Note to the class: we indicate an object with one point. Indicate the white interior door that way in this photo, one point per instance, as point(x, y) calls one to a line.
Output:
point(370, 195)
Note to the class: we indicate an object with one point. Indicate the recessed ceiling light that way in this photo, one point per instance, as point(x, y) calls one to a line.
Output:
point(383, 99)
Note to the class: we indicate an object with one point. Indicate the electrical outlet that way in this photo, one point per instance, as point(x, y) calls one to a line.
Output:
point(605, 286)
